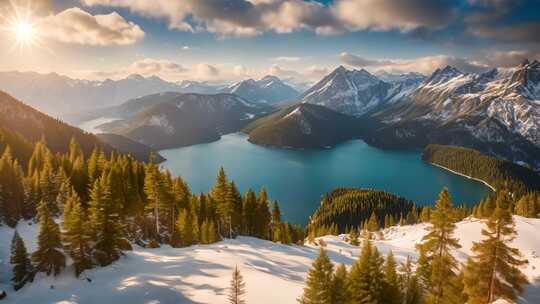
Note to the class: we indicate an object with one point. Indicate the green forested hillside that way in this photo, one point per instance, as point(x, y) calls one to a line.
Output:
point(350, 207)
point(33, 125)
point(498, 173)
point(303, 126)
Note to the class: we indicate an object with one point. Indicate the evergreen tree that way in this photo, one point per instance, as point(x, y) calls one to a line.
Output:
point(77, 235)
point(250, 212)
point(48, 257)
point(185, 227)
point(105, 222)
point(237, 290)
point(410, 286)
point(438, 244)
point(263, 215)
point(22, 267)
point(494, 272)
point(319, 281)
point(213, 235)
point(366, 276)
point(391, 293)
point(373, 223)
point(153, 189)
point(339, 291)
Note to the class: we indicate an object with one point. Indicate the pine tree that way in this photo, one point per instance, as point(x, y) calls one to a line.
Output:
point(319, 280)
point(391, 293)
point(153, 189)
point(263, 215)
point(373, 223)
point(105, 222)
point(494, 272)
point(250, 212)
point(339, 291)
point(366, 276)
point(77, 235)
point(410, 286)
point(22, 266)
point(185, 227)
point(438, 244)
point(237, 290)
point(48, 257)
point(213, 235)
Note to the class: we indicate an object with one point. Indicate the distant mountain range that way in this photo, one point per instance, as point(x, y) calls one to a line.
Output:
point(497, 112)
point(61, 96)
point(303, 126)
point(269, 89)
point(170, 120)
point(57, 95)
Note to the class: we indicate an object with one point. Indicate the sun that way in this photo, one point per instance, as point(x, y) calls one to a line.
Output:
point(24, 32)
point(20, 24)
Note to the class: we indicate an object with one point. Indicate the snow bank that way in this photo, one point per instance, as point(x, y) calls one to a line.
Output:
point(274, 273)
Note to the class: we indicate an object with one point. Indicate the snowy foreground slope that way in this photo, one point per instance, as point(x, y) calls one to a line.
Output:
point(273, 273)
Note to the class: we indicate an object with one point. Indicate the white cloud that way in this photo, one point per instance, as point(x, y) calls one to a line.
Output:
point(76, 26)
point(253, 17)
point(385, 15)
point(287, 59)
point(425, 65)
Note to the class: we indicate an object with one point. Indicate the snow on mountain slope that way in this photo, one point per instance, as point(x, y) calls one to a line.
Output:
point(357, 92)
point(497, 111)
point(269, 89)
point(273, 273)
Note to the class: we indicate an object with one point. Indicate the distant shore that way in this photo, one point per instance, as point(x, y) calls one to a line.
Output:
point(469, 177)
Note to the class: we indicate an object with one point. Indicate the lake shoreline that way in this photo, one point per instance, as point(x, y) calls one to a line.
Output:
point(464, 175)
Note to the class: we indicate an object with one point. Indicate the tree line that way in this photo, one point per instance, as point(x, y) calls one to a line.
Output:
point(491, 273)
point(92, 209)
point(496, 172)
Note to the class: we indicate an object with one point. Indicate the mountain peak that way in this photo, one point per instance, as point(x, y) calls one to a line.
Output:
point(270, 78)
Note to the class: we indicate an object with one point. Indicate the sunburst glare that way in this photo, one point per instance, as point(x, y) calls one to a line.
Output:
point(21, 26)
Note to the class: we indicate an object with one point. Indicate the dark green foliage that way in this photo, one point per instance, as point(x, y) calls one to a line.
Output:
point(366, 278)
point(411, 289)
point(494, 272)
point(105, 222)
point(391, 293)
point(498, 173)
point(22, 267)
point(349, 207)
point(437, 246)
point(77, 235)
point(326, 127)
point(319, 281)
point(48, 257)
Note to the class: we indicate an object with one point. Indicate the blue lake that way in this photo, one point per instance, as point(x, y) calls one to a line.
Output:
point(298, 178)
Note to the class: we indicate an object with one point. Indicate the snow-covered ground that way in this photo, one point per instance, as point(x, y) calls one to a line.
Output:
point(273, 273)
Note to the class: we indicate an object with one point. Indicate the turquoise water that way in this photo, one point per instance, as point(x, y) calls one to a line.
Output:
point(298, 178)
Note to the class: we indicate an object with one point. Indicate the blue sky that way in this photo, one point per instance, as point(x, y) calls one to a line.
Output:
point(228, 40)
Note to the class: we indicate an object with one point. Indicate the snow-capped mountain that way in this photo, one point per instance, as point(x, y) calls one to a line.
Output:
point(497, 112)
point(170, 120)
point(57, 95)
point(200, 87)
point(269, 89)
point(357, 92)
